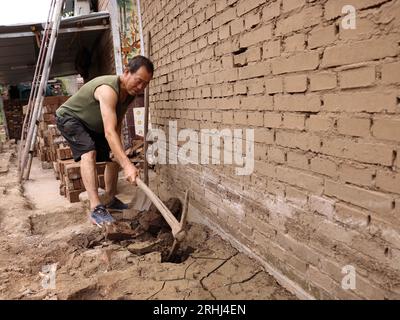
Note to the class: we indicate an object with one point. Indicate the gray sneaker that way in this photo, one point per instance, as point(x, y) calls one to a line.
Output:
point(101, 216)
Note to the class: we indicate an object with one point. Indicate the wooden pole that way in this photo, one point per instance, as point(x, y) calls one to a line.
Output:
point(146, 119)
point(166, 213)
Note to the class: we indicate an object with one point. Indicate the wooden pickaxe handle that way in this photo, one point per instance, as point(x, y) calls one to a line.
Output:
point(168, 216)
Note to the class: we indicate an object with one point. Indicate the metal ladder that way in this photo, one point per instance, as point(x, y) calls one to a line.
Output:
point(41, 76)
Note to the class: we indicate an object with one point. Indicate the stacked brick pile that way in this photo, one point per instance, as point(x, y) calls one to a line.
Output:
point(54, 152)
point(71, 184)
point(14, 117)
point(324, 105)
point(49, 138)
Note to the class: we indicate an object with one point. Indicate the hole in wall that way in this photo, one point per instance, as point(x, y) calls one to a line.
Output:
point(240, 51)
point(387, 252)
point(368, 220)
point(337, 28)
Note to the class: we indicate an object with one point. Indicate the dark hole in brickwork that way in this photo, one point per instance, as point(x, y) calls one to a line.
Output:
point(369, 220)
point(337, 28)
point(387, 251)
point(240, 51)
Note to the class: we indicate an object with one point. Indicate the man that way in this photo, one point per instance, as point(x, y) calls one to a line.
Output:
point(91, 121)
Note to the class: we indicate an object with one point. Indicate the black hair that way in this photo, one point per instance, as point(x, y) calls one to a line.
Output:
point(136, 62)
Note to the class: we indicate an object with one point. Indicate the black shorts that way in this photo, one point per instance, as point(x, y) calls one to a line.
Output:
point(82, 140)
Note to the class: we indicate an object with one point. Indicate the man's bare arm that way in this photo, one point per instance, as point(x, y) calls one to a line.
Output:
point(108, 102)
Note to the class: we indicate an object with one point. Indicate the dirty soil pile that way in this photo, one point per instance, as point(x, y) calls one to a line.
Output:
point(90, 263)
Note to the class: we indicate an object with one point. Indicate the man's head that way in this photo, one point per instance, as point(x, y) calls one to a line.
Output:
point(137, 75)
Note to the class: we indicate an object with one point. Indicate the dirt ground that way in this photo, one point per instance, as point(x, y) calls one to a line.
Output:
point(39, 228)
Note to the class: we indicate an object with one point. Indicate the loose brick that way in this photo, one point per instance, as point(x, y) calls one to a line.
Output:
point(359, 52)
point(360, 102)
point(388, 129)
point(358, 127)
point(297, 83)
point(322, 81)
point(372, 200)
point(356, 78)
point(298, 62)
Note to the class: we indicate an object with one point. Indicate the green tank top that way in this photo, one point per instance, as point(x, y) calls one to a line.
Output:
point(84, 106)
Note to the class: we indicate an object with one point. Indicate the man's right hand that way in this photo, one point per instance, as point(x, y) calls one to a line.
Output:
point(131, 173)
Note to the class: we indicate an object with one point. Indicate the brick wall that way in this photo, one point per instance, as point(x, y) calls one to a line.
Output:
point(323, 102)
